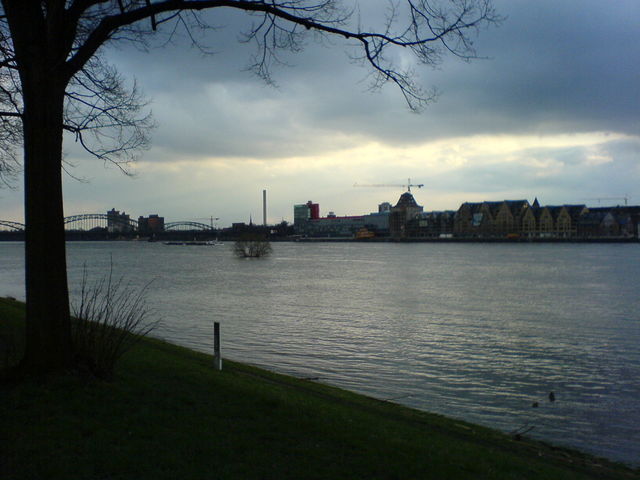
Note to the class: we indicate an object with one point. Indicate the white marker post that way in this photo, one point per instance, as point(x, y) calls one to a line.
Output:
point(217, 358)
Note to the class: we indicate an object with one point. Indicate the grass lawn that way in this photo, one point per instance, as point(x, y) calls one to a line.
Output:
point(168, 414)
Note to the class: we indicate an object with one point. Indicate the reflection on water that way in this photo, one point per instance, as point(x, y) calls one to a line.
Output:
point(475, 331)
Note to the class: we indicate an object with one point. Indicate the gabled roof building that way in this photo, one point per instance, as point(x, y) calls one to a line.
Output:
point(402, 215)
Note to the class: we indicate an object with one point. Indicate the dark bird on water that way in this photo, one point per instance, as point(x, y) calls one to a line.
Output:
point(552, 397)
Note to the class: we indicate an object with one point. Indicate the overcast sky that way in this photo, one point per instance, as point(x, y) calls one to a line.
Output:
point(552, 112)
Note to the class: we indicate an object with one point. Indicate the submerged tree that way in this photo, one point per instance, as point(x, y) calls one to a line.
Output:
point(252, 246)
point(52, 79)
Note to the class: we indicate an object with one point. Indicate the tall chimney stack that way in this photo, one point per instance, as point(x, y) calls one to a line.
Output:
point(264, 208)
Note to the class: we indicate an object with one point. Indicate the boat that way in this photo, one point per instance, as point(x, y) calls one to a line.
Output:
point(196, 243)
point(364, 234)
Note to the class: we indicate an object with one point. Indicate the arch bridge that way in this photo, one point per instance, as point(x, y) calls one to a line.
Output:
point(11, 226)
point(186, 226)
point(89, 221)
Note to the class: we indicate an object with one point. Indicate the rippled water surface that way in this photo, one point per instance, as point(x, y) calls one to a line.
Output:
point(474, 331)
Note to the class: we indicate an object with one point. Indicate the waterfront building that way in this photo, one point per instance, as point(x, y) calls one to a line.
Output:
point(403, 215)
point(426, 225)
point(567, 223)
point(475, 219)
point(301, 214)
point(304, 212)
point(517, 219)
point(546, 222)
point(436, 224)
point(151, 224)
point(530, 221)
point(596, 224)
point(560, 221)
point(118, 222)
point(334, 226)
point(491, 220)
point(508, 217)
point(378, 222)
point(307, 222)
point(610, 222)
point(384, 207)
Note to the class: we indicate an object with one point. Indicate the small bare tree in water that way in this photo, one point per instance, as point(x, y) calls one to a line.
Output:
point(252, 246)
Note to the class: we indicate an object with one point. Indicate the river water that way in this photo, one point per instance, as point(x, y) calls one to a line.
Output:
point(473, 331)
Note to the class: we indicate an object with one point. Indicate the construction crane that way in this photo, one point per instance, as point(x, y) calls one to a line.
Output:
point(408, 185)
point(211, 219)
point(625, 198)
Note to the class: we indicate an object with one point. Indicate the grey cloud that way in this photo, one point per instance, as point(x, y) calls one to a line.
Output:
point(553, 67)
point(564, 64)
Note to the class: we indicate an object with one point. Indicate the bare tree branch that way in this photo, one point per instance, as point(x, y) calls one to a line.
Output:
point(430, 30)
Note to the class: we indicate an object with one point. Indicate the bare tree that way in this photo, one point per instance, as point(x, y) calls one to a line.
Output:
point(52, 78)
point(110, 316)
point(252, 246)
point(10, 126)
point(104, 116)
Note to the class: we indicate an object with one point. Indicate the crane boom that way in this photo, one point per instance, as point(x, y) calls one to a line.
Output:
point(211, 219)
point(408, 185)
point(599, 199)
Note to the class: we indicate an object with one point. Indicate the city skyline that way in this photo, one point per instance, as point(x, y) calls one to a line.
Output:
point(552, 113)
point(323, 212)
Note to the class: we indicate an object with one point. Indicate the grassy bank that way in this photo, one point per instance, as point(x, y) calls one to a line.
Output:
point(168, 414)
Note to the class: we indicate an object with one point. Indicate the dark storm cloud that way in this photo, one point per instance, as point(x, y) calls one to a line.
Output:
point(567, 65)
point(552, 67)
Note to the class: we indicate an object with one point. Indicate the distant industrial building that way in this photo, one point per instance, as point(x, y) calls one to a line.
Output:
point(405, 220)
point(304, 212)
point(307, 222)
point(151, 224)
point(118, 222)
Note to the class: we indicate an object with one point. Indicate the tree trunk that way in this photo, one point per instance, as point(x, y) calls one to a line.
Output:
point(41, 41)
point(48, 335)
